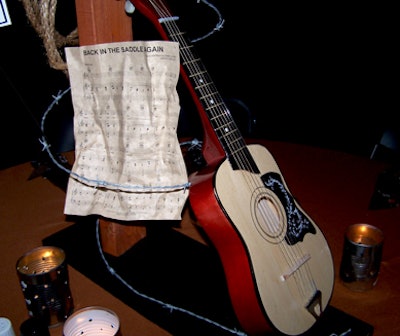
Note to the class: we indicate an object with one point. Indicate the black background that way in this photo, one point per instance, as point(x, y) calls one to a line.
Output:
point(321, 74)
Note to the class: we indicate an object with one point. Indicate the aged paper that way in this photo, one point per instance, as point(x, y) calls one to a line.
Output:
point(128, 162)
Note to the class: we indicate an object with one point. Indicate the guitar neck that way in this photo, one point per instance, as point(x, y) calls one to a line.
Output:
point(218, 113)
point(193, 69)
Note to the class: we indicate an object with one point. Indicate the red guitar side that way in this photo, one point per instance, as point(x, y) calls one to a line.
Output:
point(277, 264)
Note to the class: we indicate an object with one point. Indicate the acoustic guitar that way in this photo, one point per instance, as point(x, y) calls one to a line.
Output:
point(277, 263)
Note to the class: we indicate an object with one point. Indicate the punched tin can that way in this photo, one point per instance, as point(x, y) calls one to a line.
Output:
point(44, 280)
point(92, 321)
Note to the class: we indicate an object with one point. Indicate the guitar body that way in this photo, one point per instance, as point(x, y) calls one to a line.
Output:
point(273, 284)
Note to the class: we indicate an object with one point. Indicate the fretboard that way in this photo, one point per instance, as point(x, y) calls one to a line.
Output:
point(218, 113)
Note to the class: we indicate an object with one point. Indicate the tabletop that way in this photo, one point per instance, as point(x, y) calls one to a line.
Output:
point(334, 188)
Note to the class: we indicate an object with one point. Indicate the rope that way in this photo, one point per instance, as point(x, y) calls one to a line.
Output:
point(41, 15)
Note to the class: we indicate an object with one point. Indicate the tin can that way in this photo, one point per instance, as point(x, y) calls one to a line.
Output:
point(362, 255)
point(92, 321)
point(44, 280)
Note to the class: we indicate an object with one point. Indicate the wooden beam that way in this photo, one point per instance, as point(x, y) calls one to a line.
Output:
point(105, 21)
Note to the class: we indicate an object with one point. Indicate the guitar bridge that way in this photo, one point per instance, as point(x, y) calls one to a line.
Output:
point(314, 306)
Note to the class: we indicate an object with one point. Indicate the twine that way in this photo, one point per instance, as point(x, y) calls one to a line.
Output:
point(41, 15)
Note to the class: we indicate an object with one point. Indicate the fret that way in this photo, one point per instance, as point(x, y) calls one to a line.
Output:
point(203, 87)
point(175, 36)
point(219, 116)
point(239, 149)
point(209, 101)
point(235, 144)
point(201, 74)
point(192, 61)
point(220, 121)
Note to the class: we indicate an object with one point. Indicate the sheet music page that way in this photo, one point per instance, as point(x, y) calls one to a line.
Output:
point(128, 162)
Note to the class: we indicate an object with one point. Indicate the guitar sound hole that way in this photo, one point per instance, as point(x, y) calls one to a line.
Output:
point(269, 218)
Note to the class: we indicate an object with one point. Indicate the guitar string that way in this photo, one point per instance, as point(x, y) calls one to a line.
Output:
point(299, 268)
point(292, 260)
point(235, 148)
point(244, 158)
point(175, 33)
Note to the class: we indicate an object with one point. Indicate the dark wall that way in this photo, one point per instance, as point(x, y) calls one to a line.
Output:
point(27, 87)
point(318, 74)
point(321, 75)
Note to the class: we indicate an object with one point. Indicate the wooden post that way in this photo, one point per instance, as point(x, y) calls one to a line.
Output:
point(102, 21)
point(105, 21)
